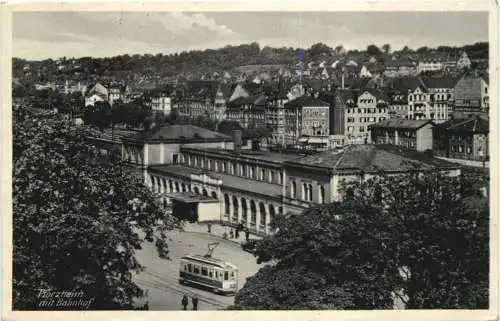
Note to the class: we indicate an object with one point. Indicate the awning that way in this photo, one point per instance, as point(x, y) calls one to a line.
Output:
point(303, 140)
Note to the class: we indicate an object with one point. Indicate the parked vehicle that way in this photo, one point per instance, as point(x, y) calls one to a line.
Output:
point(250, 246)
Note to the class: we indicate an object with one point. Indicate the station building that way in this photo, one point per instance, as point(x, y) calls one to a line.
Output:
point(212, 177)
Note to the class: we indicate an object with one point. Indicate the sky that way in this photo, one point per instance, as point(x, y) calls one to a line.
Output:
point(42, 35)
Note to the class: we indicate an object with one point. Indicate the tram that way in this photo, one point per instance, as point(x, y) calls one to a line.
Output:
point(216, 274)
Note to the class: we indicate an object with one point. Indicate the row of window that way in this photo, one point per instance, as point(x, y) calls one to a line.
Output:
point(460, 149)
point(212, 273)
point(367, 110)
point(233, 168)
point(416, 97)
point(307, 192)
point(366, 119)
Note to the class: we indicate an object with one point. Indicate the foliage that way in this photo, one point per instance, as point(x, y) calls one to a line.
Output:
point(128, 67)
point(373, 50)
point(294, 288)
point(435, 227)
point(98, 115)
point(78, 217)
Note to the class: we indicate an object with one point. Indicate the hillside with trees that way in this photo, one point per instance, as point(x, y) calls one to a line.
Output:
point(127, 67)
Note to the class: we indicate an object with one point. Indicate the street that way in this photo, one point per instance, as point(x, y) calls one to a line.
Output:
point(160, 277)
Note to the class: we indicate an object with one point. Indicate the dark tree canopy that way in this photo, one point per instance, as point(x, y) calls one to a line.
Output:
point(76, 217)
point(373, 50)
point(422, 240)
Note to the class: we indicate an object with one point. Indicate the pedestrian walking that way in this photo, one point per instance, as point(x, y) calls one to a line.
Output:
point(231, 233)
point(247, 234)
point(185, 302)
point(195, 303)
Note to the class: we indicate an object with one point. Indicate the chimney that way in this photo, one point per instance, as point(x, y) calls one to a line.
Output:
point(237, 141)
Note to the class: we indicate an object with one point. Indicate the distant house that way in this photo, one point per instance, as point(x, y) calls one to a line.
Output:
point(160, 100)
point(372, 106)
point(431, 62)
point(365, 73)
point(462, 139)
point(248, 111)
point(110, 93)
point(441, 95)
point(471, 94)
point(307, 122)
point(413, 134)
point(464, 62)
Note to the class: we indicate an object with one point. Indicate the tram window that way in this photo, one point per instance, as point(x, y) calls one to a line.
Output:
point(226, 275)
point(232, 275)
point(196, 269)
point(211, 273)
point(204, 271)
point(216, 274)
point(185, 267)
point(189, 267)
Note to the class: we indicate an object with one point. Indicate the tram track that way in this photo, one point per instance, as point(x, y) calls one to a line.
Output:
point(160, 282)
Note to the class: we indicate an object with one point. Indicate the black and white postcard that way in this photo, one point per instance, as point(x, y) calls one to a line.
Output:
point(317, 159)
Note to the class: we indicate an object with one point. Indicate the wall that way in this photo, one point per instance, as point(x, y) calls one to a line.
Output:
point(424, 138)
point(209, 211)
point(315, 116)
point(162, 153)
point(304, 176)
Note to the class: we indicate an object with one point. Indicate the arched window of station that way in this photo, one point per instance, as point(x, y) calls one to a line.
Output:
point(262, 210)
point(272, 214)
point(253, 213)
point(293, 190)
point(235, 209)
point(227, 205)
point(244, 210)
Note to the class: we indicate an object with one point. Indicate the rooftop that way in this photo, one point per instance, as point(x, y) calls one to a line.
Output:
point(189, 197)
point(372, 158)
point(306, 101)
point(470, 125)
point(180, 133)
point(273, 157)
point(230, 181)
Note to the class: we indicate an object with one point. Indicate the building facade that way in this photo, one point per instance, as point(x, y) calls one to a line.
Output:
point(412, 134)
point(307, 120)
point(472, 94)
point(463, 139)
point(371, 107)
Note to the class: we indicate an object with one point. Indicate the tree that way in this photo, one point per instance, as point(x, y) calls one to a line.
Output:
point(319, 49)
point(99, 115)
point(421, 238)
point(339, 50)
point(423, 50)
point(387, 48)
point(78, 217)
point(373, 50)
